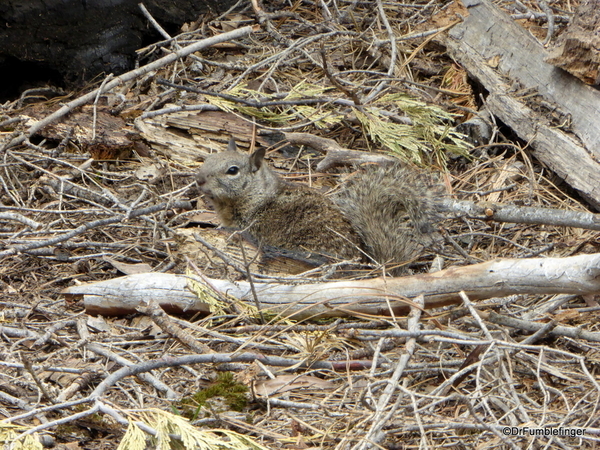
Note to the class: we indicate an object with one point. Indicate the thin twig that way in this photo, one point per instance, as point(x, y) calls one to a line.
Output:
point(380, 419)
point(550, 18)
point(251, 280)
point(99, 92)
point(153, 21)
point(90, 225)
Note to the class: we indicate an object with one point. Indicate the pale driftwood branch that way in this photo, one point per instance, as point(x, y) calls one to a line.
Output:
point(318, 143)
point(160, 386)
point(352, 157)
point(521, 58)
point(120, 80)
point(523, 214)
point(498, 278)
point(61, 421)
point(335, 154)
point(20, 218)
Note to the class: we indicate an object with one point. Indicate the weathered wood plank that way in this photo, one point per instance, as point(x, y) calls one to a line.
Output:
point(488, 34)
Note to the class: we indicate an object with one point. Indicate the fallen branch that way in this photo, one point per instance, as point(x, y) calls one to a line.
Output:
point(523, 214)
point(335, 155)
point(213, 358)
point(378, 296)
point(20, 218)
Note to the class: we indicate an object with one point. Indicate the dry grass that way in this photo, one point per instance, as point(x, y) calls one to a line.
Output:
point(400, 392)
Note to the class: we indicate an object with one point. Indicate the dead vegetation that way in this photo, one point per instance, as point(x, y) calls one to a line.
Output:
point(107, 188)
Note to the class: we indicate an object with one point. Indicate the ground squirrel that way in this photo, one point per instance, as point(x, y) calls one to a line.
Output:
point(383, 215)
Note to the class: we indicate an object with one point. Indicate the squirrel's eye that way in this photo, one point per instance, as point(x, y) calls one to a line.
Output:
point(233, 170)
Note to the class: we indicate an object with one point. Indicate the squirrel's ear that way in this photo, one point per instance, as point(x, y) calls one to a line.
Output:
point(256, 159)
point(232, 147)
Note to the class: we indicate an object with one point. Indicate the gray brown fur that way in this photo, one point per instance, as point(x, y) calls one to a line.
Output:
point(273, 211)
point(393, 209)
point(385, 212)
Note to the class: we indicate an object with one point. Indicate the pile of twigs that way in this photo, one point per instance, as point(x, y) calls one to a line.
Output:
point(76, 207)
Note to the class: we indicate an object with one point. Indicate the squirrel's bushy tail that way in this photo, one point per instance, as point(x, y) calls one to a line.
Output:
point(393, 209)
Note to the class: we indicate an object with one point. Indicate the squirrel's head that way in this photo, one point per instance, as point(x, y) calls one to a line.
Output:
point(231, 175)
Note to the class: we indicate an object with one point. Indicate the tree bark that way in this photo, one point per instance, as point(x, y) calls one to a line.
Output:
point(487, 34)
point(77, 40)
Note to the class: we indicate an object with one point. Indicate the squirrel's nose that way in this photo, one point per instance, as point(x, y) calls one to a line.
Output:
point(201, 180)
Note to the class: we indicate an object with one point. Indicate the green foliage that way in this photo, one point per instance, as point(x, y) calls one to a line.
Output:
point(427, 140)
point(225, 387)
point(281, 115)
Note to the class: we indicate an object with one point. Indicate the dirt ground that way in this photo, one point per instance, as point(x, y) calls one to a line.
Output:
point(108, 190)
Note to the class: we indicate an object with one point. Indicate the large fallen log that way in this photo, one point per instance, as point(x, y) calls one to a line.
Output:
point(577, 49)
point(377, 296)
point(488, 35)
